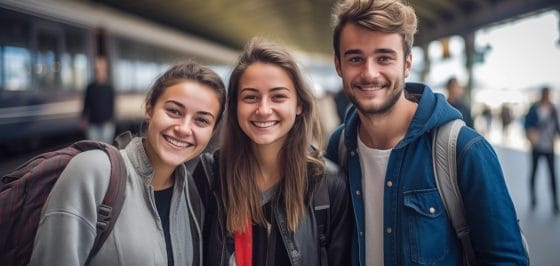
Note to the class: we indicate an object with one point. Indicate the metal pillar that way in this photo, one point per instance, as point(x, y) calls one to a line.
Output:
point(427, 63)
point(469, 62)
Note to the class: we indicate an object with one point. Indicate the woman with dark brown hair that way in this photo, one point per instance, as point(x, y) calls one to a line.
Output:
point(261, 189)
point(161, 217)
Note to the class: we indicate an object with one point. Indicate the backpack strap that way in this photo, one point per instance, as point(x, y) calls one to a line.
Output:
point(123, 139)
point(444, 150)
point(321, 207)
point(110, 208)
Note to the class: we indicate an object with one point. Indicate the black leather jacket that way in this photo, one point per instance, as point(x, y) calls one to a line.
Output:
point(302, 246)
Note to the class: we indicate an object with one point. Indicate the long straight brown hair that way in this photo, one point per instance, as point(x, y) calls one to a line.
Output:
point(239, 167)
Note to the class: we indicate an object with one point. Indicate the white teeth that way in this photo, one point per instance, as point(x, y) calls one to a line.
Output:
point(177, 142)
point(264, 124)
point(369, 88)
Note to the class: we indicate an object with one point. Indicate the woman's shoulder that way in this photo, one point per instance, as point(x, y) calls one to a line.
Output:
point(90, 162)
point(87, 170)
point(84, 180)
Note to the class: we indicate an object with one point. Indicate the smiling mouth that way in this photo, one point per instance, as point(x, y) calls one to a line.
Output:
point(177, 143)
point(266, 124)
point(368, 87)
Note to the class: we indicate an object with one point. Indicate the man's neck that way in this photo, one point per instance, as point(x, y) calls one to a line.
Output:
point(384, 131)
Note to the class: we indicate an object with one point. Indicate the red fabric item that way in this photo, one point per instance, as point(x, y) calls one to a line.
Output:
point(243, 243)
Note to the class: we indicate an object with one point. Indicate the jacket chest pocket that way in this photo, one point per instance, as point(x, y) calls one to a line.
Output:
point(428, 227)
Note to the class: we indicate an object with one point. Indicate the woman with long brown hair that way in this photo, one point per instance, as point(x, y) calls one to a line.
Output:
point(261, 189)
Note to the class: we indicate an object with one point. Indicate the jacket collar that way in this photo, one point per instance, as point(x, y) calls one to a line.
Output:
point(433, 110)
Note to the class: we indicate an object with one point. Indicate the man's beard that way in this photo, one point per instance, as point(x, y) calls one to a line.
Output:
point(384, 108)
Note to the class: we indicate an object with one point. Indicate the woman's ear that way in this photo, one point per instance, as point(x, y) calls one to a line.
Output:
point(149, 112)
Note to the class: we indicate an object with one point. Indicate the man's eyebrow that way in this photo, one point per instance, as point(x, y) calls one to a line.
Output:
point(352, 52)
point(385, 51)
point(376, 51)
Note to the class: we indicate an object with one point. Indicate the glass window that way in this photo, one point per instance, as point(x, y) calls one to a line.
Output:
point(123, 74)
point(15, 57)
point(139, 64)
point(74, 62)
point(17, 68)
point(48, 61)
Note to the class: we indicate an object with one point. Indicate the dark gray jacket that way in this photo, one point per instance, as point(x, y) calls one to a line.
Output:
point(303, 246)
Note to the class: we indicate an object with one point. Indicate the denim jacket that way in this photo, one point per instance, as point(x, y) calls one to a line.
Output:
point(416, 227)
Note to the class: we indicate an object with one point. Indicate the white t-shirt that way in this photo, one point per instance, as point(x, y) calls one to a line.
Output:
point(374, 167)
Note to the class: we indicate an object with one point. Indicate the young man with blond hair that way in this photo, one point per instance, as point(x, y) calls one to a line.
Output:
point(399, 215)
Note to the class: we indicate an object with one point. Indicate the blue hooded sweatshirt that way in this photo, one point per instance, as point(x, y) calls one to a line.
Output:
point(415, 234)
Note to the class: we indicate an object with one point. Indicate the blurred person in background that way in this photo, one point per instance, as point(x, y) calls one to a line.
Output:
point(541, 128)
point(506, 115)
point(487, 118)
point(455, 96)
point(98, 115)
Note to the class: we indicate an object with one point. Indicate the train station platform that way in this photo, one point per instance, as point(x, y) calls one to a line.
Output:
point(541, 226)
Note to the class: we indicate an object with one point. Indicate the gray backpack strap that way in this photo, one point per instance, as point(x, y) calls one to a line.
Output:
point(444, 151)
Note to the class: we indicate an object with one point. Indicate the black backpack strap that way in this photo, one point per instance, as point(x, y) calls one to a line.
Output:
point(321, 207)
point(110, 208)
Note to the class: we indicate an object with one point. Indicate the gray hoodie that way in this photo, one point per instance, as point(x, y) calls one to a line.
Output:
point(67, 228)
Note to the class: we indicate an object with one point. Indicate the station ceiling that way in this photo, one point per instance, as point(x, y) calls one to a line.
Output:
point(305, 24)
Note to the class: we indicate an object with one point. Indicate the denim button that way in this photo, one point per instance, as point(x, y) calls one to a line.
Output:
point(389, 183)
point(432, 210)
point(389, 230)
point(358, 193)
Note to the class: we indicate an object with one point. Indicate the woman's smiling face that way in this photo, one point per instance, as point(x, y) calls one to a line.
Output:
point(181, 123)
point(267, 104)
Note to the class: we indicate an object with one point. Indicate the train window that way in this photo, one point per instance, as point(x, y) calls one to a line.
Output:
point(17, 62)
point(47, 60)
point(123, 73)
point(74, 60)
point(139, 64)
point(15, 57)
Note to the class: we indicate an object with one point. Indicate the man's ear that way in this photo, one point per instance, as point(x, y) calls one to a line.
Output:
point(407, 65)
point(337, 66)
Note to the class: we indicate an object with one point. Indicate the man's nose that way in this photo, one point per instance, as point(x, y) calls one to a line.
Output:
point(370, 69)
